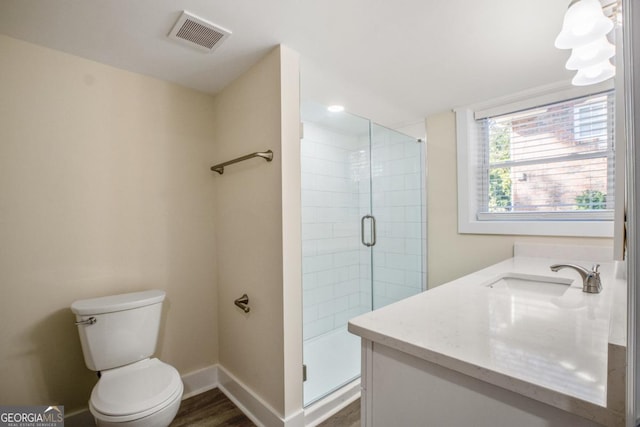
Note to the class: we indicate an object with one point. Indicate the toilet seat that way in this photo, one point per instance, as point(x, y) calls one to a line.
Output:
point(135, 391)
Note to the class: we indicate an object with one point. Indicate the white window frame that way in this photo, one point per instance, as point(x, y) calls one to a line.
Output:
point(467, 155)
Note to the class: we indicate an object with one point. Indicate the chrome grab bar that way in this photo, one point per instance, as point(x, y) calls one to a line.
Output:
point(243, 303)
point(90, 321)
point(373, 230)
point(267, 155)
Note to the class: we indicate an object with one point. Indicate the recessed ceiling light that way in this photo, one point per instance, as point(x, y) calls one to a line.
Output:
point(335, 108)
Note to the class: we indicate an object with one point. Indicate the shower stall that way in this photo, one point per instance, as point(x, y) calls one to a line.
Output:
point(363, 235)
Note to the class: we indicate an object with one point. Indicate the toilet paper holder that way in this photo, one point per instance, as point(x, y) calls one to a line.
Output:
point(243, 303)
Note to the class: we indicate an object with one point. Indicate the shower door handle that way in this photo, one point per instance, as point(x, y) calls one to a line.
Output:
point(373, 230)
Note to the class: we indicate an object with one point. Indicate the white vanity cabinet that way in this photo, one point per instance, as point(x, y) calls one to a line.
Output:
point(514, 344)
point(402, 390)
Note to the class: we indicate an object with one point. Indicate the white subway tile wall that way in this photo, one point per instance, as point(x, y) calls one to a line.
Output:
point(332, 269)
point(336, 193)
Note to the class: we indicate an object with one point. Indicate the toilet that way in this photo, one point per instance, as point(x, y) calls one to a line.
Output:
point(119, 334)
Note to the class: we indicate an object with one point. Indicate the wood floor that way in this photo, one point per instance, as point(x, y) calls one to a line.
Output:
point(348, 417)
point(210, 409)
point(213, 408)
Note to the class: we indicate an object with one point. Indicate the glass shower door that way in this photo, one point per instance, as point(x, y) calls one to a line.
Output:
point(397, 194)
point(336, 267)
point(362, 235)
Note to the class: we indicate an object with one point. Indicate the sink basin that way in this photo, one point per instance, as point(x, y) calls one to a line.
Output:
point(531, 285)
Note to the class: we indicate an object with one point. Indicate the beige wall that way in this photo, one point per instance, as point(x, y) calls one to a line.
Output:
point(105, 188)
point(450, 254)
point(291, 229)
point(259, 219)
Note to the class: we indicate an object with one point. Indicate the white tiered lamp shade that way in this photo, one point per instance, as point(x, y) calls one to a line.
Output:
point(583, 23)
point(594, 74)
point(590, 54)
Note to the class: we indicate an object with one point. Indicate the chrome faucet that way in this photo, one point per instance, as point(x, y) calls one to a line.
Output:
point(590, 279)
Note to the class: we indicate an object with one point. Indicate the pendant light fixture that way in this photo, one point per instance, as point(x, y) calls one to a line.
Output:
point(590, 54)
point(594, 74)
point(584, 30)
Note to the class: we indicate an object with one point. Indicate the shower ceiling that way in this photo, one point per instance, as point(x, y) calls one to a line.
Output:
point(395, 61)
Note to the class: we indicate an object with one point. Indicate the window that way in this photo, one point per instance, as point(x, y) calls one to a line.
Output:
point(591, 122)
point(546, 168)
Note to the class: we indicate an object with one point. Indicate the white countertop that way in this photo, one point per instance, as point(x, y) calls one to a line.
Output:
point(552, 349)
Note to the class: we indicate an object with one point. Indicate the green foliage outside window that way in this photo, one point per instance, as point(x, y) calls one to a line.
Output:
point(499, 178)
point(591, 199)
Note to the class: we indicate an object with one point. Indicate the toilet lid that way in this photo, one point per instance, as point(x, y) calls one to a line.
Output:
point(135, 388)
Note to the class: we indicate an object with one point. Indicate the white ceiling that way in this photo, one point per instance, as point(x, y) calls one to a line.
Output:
point(395, 61)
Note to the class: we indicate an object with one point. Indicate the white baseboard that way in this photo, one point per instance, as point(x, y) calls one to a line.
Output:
point(256, 409)
point(199, 381)
point(196, 382)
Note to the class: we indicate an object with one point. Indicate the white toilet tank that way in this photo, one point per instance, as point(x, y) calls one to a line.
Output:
point(120, 329)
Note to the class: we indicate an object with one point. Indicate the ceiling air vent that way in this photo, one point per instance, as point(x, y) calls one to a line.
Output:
point(198, 33)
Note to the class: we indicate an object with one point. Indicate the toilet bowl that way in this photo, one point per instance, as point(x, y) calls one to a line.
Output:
point(118, 335)
point(144, 394)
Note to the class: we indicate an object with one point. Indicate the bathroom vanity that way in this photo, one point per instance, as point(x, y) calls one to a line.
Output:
point(512, 344)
